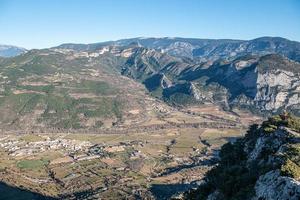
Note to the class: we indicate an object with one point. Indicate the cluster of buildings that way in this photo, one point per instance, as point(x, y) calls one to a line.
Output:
point(75, 150)
point(16, 147)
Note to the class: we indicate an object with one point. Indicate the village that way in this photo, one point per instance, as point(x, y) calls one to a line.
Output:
point(74, 150)
point(64, 164)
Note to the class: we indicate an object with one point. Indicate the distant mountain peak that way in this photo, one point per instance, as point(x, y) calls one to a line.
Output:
point(11, 51)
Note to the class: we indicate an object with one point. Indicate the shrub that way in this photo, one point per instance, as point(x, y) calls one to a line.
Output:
point(290, 169)
point(270, 128)
point(294, 123)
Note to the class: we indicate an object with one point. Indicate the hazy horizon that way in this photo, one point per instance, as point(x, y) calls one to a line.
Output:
point(42, 24)
point(142, 37)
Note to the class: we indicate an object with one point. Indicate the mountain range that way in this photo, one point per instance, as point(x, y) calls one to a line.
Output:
point(79, 85)
point(204, 49)
point(151, 115)
point(260, 74)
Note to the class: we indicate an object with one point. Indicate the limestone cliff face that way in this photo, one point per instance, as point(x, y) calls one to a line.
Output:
point(195, 91)
point(277, 89)
point(274, 186)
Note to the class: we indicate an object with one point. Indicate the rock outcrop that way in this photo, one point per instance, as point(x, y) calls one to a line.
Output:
point(265, 164)
point(274, 186)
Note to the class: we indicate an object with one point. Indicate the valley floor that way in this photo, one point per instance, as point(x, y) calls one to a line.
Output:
point(154, 159)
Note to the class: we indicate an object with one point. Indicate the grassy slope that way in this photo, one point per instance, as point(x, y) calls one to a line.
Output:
point(58, 108)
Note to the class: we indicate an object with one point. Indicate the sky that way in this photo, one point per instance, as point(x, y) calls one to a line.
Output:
point(48, 23)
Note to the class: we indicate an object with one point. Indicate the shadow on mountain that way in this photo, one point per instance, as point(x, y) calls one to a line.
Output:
point(166, 191)
point(13, 193)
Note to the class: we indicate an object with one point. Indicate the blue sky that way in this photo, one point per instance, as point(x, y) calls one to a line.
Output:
point(46, 23)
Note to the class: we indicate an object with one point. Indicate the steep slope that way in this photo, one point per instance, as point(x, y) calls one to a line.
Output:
point(269, 83)
point(263, 165)
point(10, 51)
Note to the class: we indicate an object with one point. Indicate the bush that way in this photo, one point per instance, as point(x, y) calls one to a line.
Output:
point(276, 120)
point(290, 169)
point(270, 128)
point(294, 123)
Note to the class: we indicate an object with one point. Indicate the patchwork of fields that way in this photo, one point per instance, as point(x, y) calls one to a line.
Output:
point(141, 163)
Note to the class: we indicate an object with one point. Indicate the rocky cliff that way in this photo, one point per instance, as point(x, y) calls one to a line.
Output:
point(265, 164)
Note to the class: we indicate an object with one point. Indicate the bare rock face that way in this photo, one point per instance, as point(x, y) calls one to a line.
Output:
point(195, 91)
point(274, 186)
point(180, 48)
point(271, 84)
point(165, 82)
point(271, 143)
point(274, 89)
